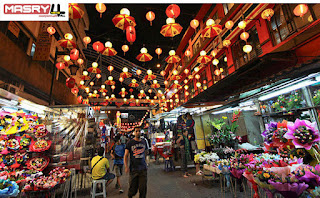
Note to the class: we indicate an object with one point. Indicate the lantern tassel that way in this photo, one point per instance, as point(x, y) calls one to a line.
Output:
point(100, 15)
point(150, 23)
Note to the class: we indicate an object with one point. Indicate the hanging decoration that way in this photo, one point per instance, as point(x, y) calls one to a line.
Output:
point(122, 21)
point(86, 40)
point(98, 46)
point(173, 58)
point(229, 25)
point(186, 71)
point(108, 50)
point(94, 68)
point(125, 48)
point(203, 58)
point(98, 76)
point(158, 51)
point(267, 14)
point(80, 61)
point(176, 85)
point(166, 82)
point(187, 53)
point(60, 65)
point(85, 76)
point(51, 30)
point(121, 79)
point(74, 54)
point(75, 12)
point(173, 11)
point(133, 83)
point(242, 25)
point(211, 30)
point(125, 73)
point(226, 43)
point(75, 90)
point(155, 84)
point(244, 36)
point(300, 10)
point(142, 94)
point(70, 82)
point(171, 29)
point(194, 23)
point(144, 81)
point(79, 99)
point(215, 61)
point(247, 48)
point(110, 68)
point(110, 81)
point(101, 8)
point(150, 16)
point(144, 56)
point(138, 72)
point(131, 34)
point(162, 73)
point(149, 76)
point(67, 41)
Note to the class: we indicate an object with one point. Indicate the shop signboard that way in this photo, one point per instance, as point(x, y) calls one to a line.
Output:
point(43, 44)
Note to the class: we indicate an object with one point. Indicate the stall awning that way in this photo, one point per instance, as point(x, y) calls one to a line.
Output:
point(254, 74)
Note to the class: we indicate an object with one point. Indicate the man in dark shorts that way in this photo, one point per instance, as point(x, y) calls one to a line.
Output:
point(101, 168)
point(136, 148)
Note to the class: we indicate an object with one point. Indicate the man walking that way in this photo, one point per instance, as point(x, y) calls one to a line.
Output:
point(138, 167)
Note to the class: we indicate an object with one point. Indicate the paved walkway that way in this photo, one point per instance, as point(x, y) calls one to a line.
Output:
point(169, 184)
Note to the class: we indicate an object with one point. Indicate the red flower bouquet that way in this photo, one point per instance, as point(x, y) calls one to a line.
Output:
point(38, 163)
point(40, 145)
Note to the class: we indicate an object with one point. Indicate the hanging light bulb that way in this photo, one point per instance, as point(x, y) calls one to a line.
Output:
point(68, 36)
point(66, 58)
point(149, 72)
point(91, 83)
point(87, 89)
point(80, 61)
point(101, 8)
point(185, 81)
point(186, 71)
point(144, 81)
point(172, 52)
point(95, 91)
point(226, 43)
point(247, 48)
point(110, 78)
point(197, 76)
point(186, 87)
point(150, 91)
point(107, 97)
point(123, 89)
point(144, 50)
point(113, 87)
point(104, 93)
point(85, 73)
point(121, 79)
point(125, 48)
point(198, 84)
point(81, 82)
point(141, 91)
point(170, 20)
point(133, 80)
point(187, 53)
point(176, 82)
point(138, 72)
point(174, 72)
point(215, 61)
point(98, 76)
point(94, 64)
point(196, 69)
point(242, 24)
point(103, 86)
point(203, 53)
point(155, 82)
point(210, 22)
point(125, 70)
point(124, 99)
point(166, 82)
point(225, 59)
point(131, 96)
point(186, 93)
point(113, 96)
point(244, 36)
point(229, 25)
point(125, 11)
point(108, 44)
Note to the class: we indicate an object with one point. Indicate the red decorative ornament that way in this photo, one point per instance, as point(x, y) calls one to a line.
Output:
point(70, 82)
point(51, 30)
point(125, 48)
point(79, 99)
point(98, 46)
point(131, 90)
point(187, 53)
point(158, 51)
point(110, 68)
point(131, 34)
point(173, 11)
point(75, 90)
point(87, 40)
point(138, 72)
point(194, 23)
point(150, 16)
point(80, 61)
point(162, 73)
point(98, 76)
point(300, 10)
point(60, 65)
point(121, 79)
point(74, 54)
point(244, 36)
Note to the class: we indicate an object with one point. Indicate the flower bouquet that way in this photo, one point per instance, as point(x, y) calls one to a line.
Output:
point(304, 135)
point(40, 131)
point(38, 163)
point(289, 186)
point(262, 178)
point(40, 145)
point(8, 188)
point(308, 174)
point(316, 98)
point(25, 142)
point(3, 147)
point(60, 174)
point(13, 143)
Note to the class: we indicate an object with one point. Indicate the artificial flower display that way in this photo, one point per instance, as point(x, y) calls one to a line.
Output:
point(8, 188)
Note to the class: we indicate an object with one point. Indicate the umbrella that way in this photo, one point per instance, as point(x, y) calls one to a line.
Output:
point(171, 29)
point(173, 59)
point(125, 75)
point(150, 77)
point(176, 77)
point(141, 95)
point(109, 82)
point(176, 86)
point(134, 85)
point(122, 21)
point(204, 59)
point(75, 12)
point(85, 77)
point(94, 70)
point(132, 100)
point(103, 90)
point(108, 51)
point(94, 96)
point(144, 57)
point(66, 43)
point(155, 85)
point(123, 93)
point(211, 31)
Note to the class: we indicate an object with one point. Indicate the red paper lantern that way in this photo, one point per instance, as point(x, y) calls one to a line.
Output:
point(98, 76)
point(131, 34)
point(70, 82)
point(229, 24)
point(125, 48)
point(138, 72)
point(51, 30)
point(74, 54)
point(98, 46)
point(187, 53)
point(244, 36)
point(150, 16)
point(60, 65)
point(162, 73)
point(110, 68)
point(300, 10)
point(80, 61)
point(75, 90)
point(173, 11)
point(79, 99)
point(87, 40)
point(158, 51)
point(194, 23)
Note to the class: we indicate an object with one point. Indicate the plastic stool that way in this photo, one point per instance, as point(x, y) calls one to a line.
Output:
point(94, 187)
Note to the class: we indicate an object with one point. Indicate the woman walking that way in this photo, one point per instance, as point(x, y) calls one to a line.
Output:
point(185, 152)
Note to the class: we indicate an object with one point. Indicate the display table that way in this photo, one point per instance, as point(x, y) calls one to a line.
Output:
point(163, 149)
